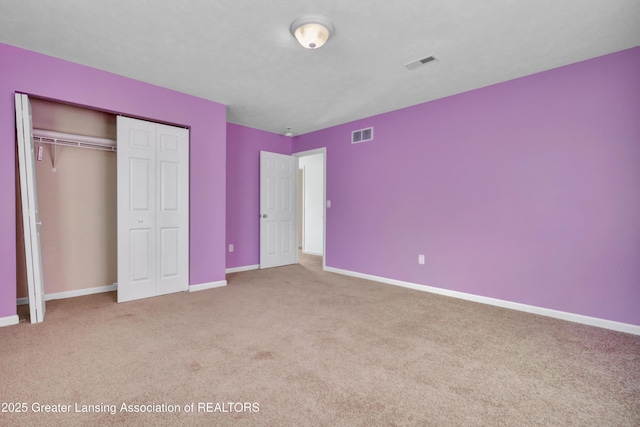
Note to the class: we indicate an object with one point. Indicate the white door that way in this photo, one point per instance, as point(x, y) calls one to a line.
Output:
point(278, 209)
point(29, 200)
point(153, 209)
point(172, 209)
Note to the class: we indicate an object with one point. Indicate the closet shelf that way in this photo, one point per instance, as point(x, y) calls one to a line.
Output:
point(71, 140)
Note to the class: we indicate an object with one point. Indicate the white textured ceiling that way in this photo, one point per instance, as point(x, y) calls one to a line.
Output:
point(240, 53)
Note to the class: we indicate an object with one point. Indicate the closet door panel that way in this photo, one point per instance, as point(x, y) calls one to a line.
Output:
point(139, 185)
point(153, 209)
point(137, 269)
point(170, 187)
point(140, 262)
point(173, 208)
point(169, 243)
point(30, 213)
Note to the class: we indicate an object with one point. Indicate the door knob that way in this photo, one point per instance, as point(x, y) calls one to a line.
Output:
point(264, 215)
point(140, 220)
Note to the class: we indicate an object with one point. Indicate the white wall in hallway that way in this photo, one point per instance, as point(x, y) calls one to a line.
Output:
point(313, 203)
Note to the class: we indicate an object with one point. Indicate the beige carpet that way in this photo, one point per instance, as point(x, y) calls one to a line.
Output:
point(305, 347)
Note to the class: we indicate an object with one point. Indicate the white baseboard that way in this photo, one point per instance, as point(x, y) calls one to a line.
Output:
point(9, 320)
point(243, 268)
point(72, 294)
point(312, 253)
point(563, 315)
point(211, 285)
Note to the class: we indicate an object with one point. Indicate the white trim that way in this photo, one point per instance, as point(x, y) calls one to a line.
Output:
point(81, 292)
point(9, 320)
point(300, 207)
point(243, 268)
point(311, 253)
point(563, 315)
point(73, 294)
point(210, 285)
point(323, 151)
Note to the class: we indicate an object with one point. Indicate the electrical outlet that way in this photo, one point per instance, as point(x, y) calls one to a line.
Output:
point(421, 259)
point(231, 247)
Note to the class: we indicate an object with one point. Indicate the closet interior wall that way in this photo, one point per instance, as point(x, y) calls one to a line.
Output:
point(77, 203)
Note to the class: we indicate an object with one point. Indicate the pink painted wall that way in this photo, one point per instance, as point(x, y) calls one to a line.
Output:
point(526, 191)
point(47, 77)
point(243, 189)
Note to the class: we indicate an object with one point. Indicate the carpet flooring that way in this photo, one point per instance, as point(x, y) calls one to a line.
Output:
point(296, 346)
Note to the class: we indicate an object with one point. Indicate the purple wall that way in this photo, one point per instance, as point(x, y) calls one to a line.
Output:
point(243, 189)
point(47, 77)
point(526, 191)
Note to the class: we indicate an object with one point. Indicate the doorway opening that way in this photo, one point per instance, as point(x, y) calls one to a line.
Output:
point(312, 202)
point(281, 212)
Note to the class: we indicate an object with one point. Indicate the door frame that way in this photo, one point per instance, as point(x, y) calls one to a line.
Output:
point(323, 151)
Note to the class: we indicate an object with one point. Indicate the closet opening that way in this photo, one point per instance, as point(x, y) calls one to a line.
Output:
point(75, 175)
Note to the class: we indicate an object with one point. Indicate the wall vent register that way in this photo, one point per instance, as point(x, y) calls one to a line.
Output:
point(362, 135)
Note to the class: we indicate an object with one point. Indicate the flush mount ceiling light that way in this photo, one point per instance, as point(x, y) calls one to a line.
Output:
point(312, 31)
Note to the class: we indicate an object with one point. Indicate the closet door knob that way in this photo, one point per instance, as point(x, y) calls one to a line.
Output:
point(140, 220)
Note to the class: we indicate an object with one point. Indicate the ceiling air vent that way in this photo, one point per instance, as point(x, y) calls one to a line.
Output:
point(362, 135)
point(419, 62)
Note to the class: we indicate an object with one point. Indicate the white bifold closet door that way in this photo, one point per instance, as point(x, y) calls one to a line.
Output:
point(153, 209)
point(29, 204)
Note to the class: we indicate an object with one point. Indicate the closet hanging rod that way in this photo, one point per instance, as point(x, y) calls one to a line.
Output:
point(73, 140)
